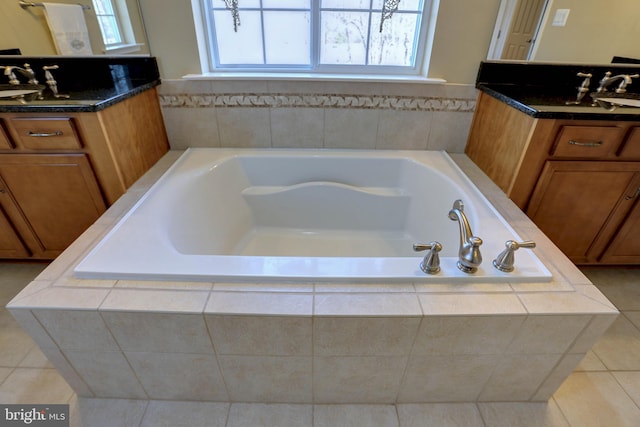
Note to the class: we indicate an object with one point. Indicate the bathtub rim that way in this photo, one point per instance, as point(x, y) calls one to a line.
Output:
point(396, 269)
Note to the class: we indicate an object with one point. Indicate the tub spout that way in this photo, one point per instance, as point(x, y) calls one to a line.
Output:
point(469, 256)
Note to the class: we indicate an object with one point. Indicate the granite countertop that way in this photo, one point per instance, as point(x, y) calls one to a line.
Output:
point(91, 83)
point(89, 100)
point(543, 90)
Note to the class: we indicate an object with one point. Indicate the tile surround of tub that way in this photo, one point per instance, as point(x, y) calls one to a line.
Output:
point(582, 400)
point(250, 114)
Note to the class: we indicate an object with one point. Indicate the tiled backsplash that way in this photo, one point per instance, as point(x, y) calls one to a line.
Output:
point(261, 114)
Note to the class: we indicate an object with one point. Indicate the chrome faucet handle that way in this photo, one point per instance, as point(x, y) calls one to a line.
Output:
point(53, 85)
point(505, 260)
point(431, 262)
point(47, 74)
point(582, 89)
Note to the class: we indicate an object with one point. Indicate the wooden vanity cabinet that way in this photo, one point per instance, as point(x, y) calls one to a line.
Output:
point(578, 180)
point(60, 171)
point(574, 200)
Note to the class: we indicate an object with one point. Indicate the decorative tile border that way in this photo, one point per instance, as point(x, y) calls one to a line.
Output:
point(380, 102)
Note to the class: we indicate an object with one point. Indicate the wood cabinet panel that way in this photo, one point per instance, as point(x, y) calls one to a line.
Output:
point(625, 246)
point(57, 195)
point(574, 199)
point(630, 150)
point(48, 133)
point(135, 135)
point(5, 142)
point(500, 135)
point(11, 245)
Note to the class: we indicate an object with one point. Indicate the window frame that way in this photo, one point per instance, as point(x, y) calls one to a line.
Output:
point(367, 72)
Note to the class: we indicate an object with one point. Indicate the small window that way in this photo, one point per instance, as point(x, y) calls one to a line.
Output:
point(109, 23)
point(317, 36)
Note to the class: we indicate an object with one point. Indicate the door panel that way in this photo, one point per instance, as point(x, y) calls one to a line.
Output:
point(523, 28)
point(57, 195)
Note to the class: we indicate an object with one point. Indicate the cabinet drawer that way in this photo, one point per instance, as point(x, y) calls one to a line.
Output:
point(46, 133)
point(587, 141)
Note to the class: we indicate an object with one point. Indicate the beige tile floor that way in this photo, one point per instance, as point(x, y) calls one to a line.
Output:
point(603, 391)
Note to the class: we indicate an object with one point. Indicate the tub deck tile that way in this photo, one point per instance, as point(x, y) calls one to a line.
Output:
point(379, 305)
point(154, 301)
point(470, 304)
point(260, 303)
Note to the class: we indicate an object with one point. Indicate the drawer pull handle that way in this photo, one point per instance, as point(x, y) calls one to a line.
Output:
point(634, 195)
point(586, 144)
point(37, 134)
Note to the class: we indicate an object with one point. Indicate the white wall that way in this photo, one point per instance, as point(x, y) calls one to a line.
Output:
point(462, 37)
point(594, 33)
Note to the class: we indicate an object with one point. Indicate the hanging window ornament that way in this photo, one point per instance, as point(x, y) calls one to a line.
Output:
point(232, 5)
point(388, 8)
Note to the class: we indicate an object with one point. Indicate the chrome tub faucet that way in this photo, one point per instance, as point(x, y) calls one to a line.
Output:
point(469, 256)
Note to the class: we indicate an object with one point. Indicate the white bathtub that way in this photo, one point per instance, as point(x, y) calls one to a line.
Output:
point(289, 215)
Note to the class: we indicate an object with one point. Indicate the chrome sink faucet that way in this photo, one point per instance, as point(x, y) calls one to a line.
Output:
point(10, 72)
point(469, 256)
point(607, 80)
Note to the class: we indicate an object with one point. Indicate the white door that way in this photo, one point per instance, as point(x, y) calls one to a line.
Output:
point(524, 24)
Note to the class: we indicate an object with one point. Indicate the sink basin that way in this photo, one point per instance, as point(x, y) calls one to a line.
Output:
point(626, 102)
point(11, 93)
point(610, 100)
point(14, 91)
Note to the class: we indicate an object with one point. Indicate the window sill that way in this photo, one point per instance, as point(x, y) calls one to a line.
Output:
point(374, 78)
point(123, 49)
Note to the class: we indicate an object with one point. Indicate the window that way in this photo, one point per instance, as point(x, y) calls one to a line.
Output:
point(116, 26)
point(109, 23)
point(317, 36)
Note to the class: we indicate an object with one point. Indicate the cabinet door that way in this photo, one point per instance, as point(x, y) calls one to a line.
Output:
point(57, 196)
point(573, 201)
point(11, 245)
point(5, 143)
point(625, 246)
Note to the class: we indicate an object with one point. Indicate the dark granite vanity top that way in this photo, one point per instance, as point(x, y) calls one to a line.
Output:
point(91, 83)
point(543, 90)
